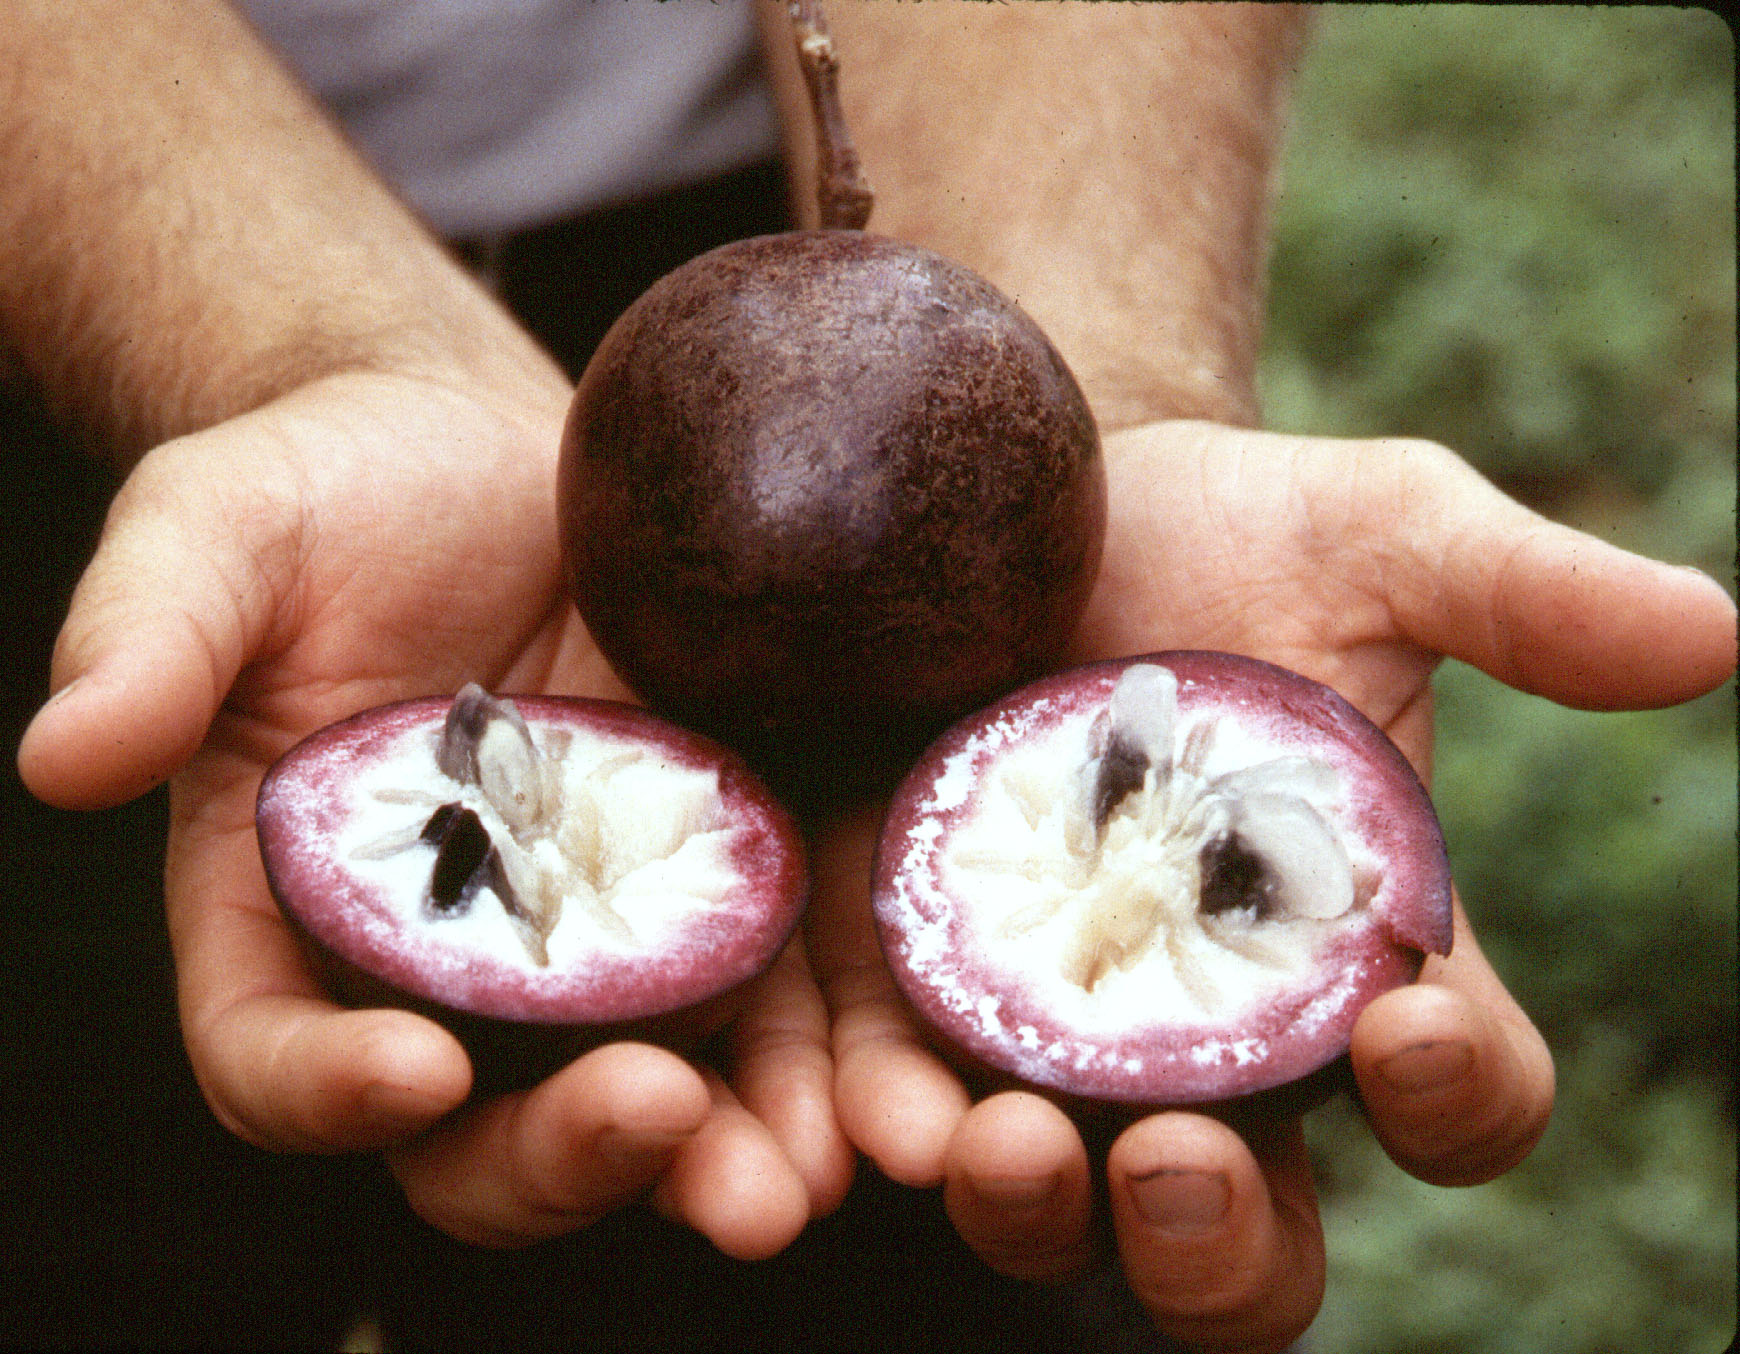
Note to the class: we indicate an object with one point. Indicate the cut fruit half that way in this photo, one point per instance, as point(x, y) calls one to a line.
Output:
point(1173, 879)
point(542, 860)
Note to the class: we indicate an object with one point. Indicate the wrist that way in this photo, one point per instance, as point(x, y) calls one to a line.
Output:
point(1107, 166)
point(185, 236)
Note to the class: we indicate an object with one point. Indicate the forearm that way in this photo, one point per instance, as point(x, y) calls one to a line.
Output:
point(184, 235)
point(1107, 165)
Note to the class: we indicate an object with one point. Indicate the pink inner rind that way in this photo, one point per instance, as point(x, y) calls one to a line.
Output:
point(298, 817)
point(984, 1010)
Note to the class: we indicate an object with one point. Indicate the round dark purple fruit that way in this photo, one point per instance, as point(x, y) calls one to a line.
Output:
point(537, 873)
point(822, 492)
point(1165, 880)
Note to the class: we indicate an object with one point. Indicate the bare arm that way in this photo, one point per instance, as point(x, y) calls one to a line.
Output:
point(345, 463)
point(185, 236)
point(1110, 166)
point(1107, 165)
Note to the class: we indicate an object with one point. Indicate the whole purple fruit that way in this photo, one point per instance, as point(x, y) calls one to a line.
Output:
point(1174, 879)
point(822, 492)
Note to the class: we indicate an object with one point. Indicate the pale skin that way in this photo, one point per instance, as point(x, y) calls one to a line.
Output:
point(1360, 564)
point(381, 528)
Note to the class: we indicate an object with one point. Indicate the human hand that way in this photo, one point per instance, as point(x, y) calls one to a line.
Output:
point(365, 538)
point(1360, 564)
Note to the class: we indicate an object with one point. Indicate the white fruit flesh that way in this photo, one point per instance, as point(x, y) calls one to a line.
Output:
point(1082, 862)
point(605, 844)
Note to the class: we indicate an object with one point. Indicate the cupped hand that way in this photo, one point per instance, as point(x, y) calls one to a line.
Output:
point(1361, 564)
point(363, 539)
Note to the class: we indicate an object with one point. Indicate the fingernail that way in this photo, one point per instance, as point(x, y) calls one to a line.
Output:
point(1427, 1066)
point(72, 688)
point(1182, 1202)
point(1014, 1193)
point(59, 698)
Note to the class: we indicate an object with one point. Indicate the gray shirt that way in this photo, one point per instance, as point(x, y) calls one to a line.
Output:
point(495, 115)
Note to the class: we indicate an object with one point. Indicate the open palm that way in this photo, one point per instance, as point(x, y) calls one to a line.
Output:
point(1360, 564)
point(364, 539)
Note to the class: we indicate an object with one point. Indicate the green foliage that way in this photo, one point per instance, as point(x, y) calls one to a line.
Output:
point(1596, 855)
point(1512, 230)
point(1616, 1236)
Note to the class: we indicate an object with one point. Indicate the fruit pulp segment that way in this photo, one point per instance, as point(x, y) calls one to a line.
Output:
point(629, 848)
point(1213, 873)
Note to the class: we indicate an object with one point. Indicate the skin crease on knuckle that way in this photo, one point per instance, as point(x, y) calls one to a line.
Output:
point(1264, 1309)
point(527, 1167)
point(1263, 1301)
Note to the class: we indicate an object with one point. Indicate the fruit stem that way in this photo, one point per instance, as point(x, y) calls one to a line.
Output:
point(843, 194)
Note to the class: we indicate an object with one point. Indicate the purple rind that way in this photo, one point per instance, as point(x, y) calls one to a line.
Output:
point(1159, 1065)
point(503, 1007)
point(821, 493)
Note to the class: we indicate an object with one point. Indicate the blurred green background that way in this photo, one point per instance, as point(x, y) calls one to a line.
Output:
point(1512, 230)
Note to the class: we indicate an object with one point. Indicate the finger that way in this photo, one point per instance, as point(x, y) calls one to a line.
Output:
point(896, 1101)
point(783, 1074)
point(1223, 1247)
point(1539, 606)
point(1018, 1189)
point(301, 1075)
point(1457, 1083)
point(732, 1182)
point(281, 1065)
point(158, 627)
point(537, 1164)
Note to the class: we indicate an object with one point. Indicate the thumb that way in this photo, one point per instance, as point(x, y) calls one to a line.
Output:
point(178, 596)
point(1546, 608)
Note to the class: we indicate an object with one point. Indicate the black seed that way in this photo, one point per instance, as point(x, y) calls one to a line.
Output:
point(439, 824)
point(1234, 877)
point(1121, 769)
point(463, 845)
